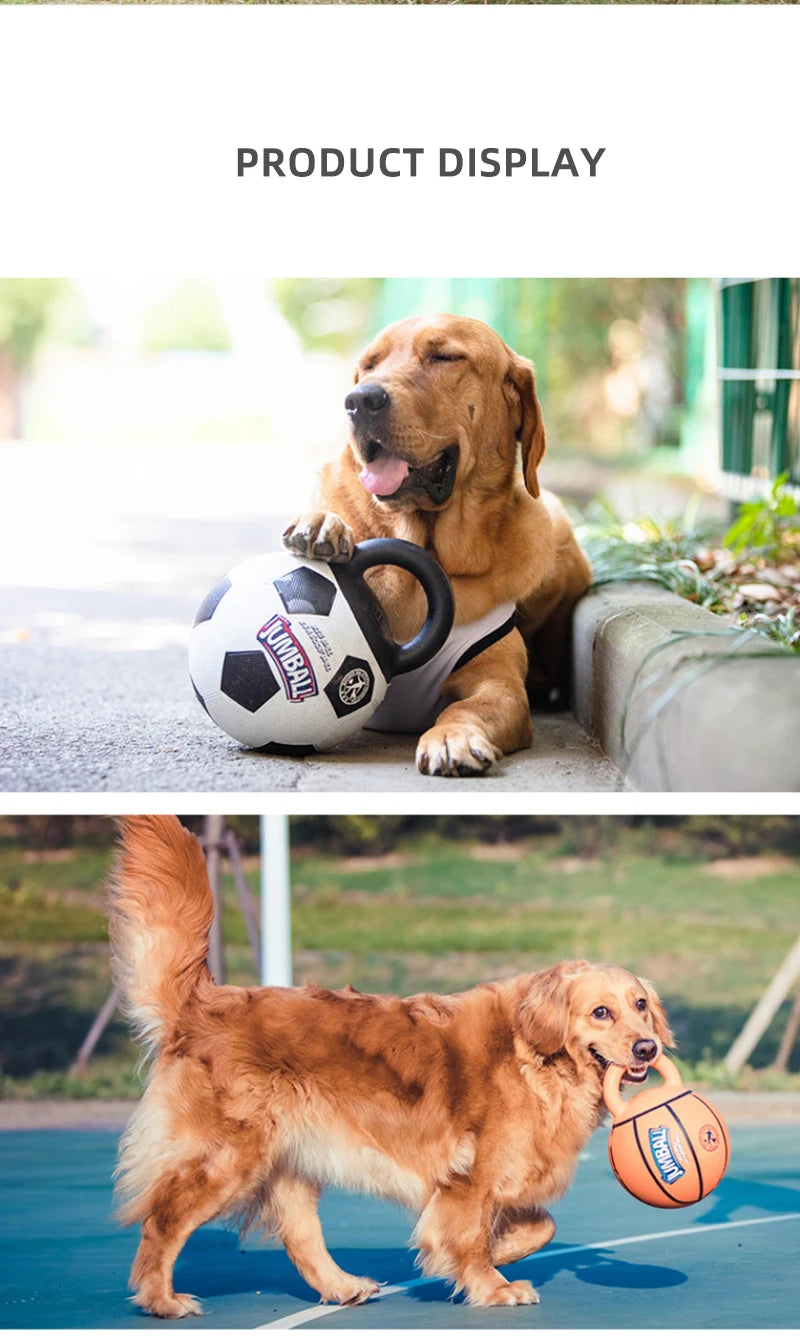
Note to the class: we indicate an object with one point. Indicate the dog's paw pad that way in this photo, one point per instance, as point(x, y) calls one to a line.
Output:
point(321, 536)
point(357, 1290)
point(511, 1295)
point(171, 1305)
point(455, 751)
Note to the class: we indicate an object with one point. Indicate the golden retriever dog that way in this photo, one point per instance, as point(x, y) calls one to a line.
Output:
point(440, 411)
point(470, 1110)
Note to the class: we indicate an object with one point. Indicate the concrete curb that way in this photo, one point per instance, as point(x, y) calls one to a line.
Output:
point(672, 704)
point(738, 1107)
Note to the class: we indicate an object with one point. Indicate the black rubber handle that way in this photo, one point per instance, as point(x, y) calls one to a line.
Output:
point(435, 585)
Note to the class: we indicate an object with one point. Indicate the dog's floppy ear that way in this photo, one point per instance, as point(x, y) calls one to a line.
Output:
point(663, 1031)
point(521, 391)
point(543, 1015)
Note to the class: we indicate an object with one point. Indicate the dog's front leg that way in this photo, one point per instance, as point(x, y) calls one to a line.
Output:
point(489, 715)
point(454, 1238)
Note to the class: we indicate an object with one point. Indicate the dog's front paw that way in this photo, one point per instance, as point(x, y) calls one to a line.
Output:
point(321, 535)
point(455, 749)
point(508, 1294)
point(168, 1305)
point(351, 1290)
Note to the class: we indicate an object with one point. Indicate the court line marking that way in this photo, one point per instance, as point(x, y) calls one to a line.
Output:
point(304, 1315)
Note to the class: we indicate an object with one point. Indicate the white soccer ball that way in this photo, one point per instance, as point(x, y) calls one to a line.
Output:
point(292, 654)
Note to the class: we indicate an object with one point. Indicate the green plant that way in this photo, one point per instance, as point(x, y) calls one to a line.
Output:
point(768, 524)
point(662, 551)
point(784, 628)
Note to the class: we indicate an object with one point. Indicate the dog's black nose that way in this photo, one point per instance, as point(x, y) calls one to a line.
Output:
point(368, 397)
point(644, 1050)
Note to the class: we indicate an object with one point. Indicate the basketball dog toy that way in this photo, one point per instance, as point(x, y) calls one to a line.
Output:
point(668, 1146)
point(293, 654)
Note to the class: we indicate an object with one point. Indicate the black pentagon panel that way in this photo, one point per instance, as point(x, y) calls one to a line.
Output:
point(304, 590)
point(247, 679)
point(351, 687)
point(211, 601)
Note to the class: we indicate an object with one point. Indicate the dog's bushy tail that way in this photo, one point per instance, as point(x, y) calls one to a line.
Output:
point(160, 915)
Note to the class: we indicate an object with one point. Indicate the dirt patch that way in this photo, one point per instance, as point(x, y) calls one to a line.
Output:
point(48, 855)
point(505, 851)
point(375, 863)
point(22, 1115)
point(573, 865)
point(749, 869)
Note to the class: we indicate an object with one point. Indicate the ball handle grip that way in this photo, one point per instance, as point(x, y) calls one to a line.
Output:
point(612, 1081)
point(435, 586)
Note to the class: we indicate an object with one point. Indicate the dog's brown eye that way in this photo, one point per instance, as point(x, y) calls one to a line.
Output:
point(641, 1004)
point(601, 1013)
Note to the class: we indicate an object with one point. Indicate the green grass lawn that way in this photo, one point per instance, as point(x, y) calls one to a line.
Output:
point(435, 915)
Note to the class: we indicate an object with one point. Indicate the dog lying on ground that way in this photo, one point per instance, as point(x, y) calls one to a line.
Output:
point(439, 409)
point(470, 1109)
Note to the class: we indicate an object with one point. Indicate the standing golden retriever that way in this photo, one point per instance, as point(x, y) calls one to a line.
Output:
point(440, 409)
point(471, 1110)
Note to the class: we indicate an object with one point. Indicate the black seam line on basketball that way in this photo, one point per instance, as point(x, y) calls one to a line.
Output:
point(663, 1105)
point(659, 1182)
point(726, 1141)
point(691, 1148)
point(491, 638)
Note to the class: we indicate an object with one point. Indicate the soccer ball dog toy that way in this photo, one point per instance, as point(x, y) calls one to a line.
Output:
point(289, 653)
point(668, 1146)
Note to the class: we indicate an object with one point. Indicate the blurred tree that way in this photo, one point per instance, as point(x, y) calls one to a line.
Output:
point(350, 834)
point(329, 314)
point(28, 313)
point(610, 353)
point(188, 317)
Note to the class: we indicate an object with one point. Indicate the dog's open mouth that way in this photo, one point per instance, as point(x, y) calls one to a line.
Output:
point(386, 475)
point(635, 1072)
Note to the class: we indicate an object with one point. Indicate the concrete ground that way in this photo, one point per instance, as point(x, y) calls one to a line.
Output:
point(101, 574)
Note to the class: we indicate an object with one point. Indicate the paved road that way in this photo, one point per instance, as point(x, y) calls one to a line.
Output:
point(100, 579)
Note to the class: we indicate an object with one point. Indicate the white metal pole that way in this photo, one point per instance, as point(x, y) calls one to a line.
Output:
point(276, 932)
point(214, 826)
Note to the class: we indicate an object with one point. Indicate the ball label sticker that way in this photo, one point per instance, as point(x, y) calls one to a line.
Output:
point(277, 638)
point(664, 1155)
point(709, 1138)
point(354, 686)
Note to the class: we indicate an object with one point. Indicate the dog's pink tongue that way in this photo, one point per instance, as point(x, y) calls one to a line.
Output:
point(384, 475)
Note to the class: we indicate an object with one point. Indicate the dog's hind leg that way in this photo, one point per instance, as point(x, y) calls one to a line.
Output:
point(293, 1211)
point(517, 1233)
point(454, 1237)
point(180, 1201)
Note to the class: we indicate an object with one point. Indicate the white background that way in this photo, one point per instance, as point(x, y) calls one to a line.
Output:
point(120, 130)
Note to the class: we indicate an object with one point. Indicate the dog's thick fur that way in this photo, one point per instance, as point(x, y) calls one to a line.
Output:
point(469, 1109)
point(447, 393)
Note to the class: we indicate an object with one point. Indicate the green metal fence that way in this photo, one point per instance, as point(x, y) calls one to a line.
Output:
point(759, 375)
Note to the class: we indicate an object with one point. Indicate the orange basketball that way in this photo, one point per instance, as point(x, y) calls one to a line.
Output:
point(669, 1146)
